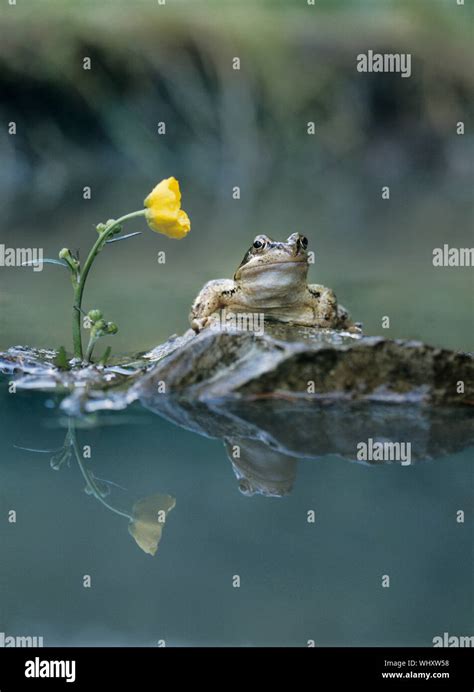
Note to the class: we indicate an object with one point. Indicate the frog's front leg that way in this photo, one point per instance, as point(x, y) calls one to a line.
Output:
point(327, 312)
point(214, 296)
point(324, 303)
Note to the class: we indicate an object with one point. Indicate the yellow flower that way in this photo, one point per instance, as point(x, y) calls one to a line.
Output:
point(164, 213)
point(149, 517)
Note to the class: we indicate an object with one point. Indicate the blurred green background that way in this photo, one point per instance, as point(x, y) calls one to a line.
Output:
point(246, 128)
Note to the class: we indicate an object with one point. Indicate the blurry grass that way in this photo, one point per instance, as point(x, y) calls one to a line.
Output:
point(173, 63)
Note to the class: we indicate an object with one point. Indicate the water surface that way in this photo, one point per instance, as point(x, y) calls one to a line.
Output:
point(299, 581)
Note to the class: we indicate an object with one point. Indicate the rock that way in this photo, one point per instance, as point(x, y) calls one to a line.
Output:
point(299, 394)
point(313, 364)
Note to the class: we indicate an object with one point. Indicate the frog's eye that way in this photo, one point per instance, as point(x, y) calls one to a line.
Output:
point(258, 244)
point(304, 242)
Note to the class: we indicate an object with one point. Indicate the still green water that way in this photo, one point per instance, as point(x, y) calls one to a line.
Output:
point(299, 580)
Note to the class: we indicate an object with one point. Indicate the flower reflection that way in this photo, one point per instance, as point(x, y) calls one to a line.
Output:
point(148, 516)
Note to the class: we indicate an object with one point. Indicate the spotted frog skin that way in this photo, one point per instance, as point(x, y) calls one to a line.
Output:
point(272, 279)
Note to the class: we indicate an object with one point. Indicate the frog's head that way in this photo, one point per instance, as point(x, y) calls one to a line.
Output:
point(269, 263)
point(261, 469)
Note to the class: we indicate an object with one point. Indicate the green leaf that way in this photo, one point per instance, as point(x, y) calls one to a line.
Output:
point(40, 451)
point(123, 237)
point(61, 360)
point(48, 260)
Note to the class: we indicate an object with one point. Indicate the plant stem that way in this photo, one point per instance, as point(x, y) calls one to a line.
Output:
point(90, 347)
point(89, 480)
point(80, 283)
point(105, 357)
point(76, 324)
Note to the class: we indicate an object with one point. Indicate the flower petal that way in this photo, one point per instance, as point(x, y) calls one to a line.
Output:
point(163, 210)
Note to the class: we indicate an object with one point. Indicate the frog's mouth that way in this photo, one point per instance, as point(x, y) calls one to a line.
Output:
point(274, 266)
point(277, 274)
point(299, 259)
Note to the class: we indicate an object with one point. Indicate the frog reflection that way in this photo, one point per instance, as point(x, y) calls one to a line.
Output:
point(261, 469)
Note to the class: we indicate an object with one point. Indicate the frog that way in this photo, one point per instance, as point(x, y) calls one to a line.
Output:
point(272, 279)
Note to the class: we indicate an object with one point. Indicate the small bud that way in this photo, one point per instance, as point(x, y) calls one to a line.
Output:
point(67, 256)
point(100, 325)
point(94, 315)
point(101, 227)
point(112, 328)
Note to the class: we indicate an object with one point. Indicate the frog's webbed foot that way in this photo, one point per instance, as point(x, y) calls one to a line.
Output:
point(212, 297)
point(327, 312)
point(345, 322)
point(199, 323)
